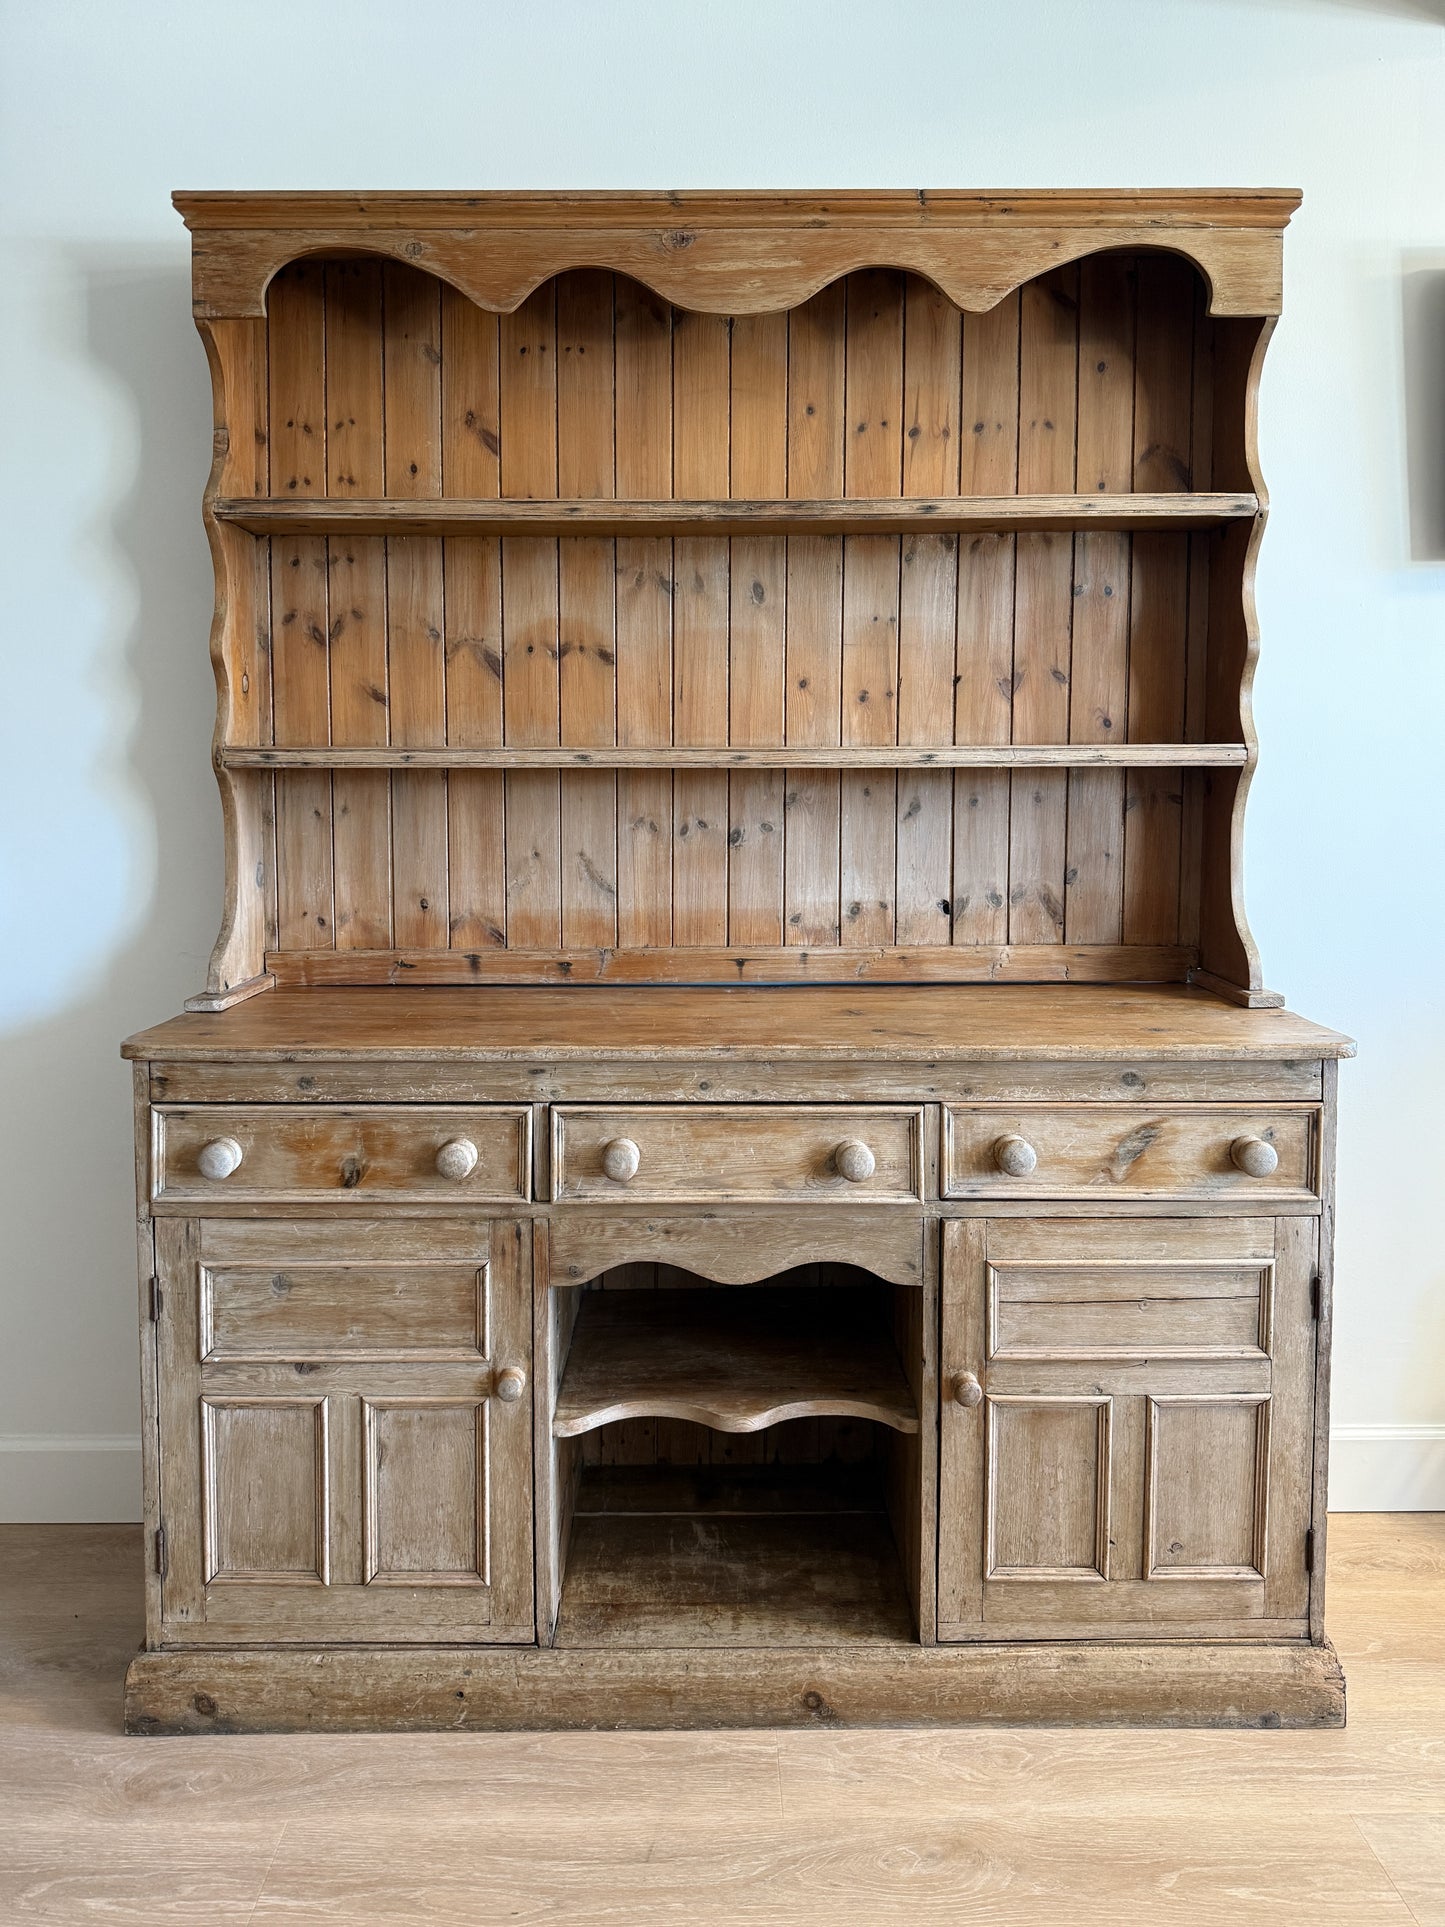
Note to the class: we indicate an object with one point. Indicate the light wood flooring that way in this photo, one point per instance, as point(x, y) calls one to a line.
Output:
point(757, 1830)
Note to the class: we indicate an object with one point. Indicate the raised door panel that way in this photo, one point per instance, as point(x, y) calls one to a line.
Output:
point(345, 1431)
point(266, 1490)
point(1048, 1488)
point(1125, 1433)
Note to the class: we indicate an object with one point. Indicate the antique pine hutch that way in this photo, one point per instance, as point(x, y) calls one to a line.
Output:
point(735, 1164)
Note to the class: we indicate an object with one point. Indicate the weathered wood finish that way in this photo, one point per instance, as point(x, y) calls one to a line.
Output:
point(765, 1184)
point(526, 520)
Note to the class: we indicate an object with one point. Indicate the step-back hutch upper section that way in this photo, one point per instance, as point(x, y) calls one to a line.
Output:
point(735, 587)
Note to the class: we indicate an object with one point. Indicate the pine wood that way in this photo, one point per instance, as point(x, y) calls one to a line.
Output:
point(735, 1161)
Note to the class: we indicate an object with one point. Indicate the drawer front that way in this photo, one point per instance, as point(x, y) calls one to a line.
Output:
point(737, 1153)
point(354, 1157)
point(1098, 1151)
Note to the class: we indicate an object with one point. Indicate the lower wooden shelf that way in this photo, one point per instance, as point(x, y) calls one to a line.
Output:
point(736, 1360)
point(769, 1555)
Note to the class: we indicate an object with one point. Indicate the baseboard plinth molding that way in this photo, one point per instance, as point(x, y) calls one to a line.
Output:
point(421, 1689)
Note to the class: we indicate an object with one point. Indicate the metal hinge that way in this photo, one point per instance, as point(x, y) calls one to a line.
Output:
point(157, 1301)
point(1310, 1550)
point(162, 1559)
point(1316, 1294)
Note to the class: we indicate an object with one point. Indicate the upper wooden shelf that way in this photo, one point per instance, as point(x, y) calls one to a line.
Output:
point(735, 1360)
point(266, 515)
point(668, 756)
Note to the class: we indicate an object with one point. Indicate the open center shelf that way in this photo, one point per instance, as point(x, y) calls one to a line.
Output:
point(737, 1360)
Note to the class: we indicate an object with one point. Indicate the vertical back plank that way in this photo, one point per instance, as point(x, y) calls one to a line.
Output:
point(300, 619)
point(873, 465)
point(928, 613)
point(355, 447)
point(1159, 599)
point(471, 446)
point(983, 689)
point(415, 618)
point(1043, 591)
point(813, 715)
point(759, 464)
point(1098, 708)
point(701, 381)
point(586, 597)
point(1196, 674)
point(530, 689)
point(644, 617)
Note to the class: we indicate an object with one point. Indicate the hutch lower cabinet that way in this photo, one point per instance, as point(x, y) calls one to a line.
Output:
point(735, 1163)
point(536, 1357)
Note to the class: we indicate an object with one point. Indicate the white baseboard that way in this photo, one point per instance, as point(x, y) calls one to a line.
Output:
point(60, 1478)
point(90, 1479)
point(1387, 1468)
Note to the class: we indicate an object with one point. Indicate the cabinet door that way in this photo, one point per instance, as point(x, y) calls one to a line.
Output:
point(345, 1431)
point(1126, 1436)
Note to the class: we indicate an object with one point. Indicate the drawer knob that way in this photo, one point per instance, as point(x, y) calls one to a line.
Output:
point(854, 1161)
point(621, 1160)
point(1255, 1156)
point(457, 1159)
point(219, 1158)
point(509, 1384)
point(967, 1390)
point(1015, 1156)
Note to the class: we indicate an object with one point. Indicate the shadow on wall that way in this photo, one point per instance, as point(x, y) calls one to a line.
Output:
point(1423, 318)
point(70, 1314)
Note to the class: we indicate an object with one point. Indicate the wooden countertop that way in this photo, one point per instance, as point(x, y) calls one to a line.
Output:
point(813, 1023)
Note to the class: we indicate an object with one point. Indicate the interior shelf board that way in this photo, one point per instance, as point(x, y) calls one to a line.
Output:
point(355, 515)
point(668, 756)
point(734, 1360)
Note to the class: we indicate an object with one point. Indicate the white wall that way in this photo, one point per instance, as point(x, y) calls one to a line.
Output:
point(109, 822)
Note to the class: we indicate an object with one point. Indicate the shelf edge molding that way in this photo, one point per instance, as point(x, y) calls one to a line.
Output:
point(572, 1423)
point(948, 515)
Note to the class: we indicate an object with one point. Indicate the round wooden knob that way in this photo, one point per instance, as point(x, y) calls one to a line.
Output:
point(1015, 1156)
point(510, 1383)
point(1255, 1156)
point(219, 1158)
point(854, 1161)
point(457, 1159)
point(621, 1159)
point(967, 1390)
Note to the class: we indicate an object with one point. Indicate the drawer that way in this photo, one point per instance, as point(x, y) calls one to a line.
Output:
point(1099, 1151)
point(357, 1157)
point(738, 1153)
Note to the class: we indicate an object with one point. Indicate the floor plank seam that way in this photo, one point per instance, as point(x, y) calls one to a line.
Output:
point(1390, 1878)
point(266, 1877)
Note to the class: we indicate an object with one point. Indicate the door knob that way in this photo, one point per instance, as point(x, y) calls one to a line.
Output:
point(854, 1161)
point(219, 1158)
point(1015, 1156)
point(621, 1160)
point(1255, 1156)
point(967, 1390)
point(457, 1159)
point(509, 1384)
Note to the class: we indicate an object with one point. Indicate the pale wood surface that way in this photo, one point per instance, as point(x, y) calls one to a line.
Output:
point(803, 1829)
point(918, 1023)
point(855, 756)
